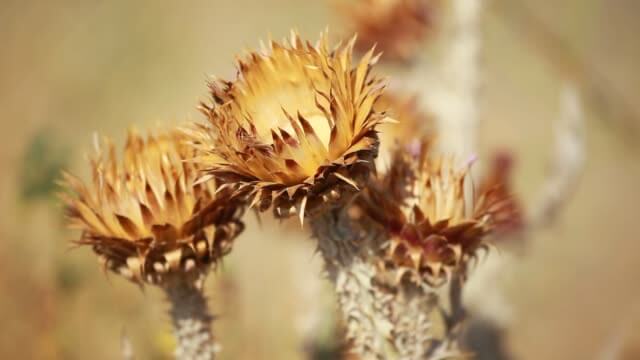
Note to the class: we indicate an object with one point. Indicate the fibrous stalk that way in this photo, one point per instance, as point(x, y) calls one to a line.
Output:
point(191, 319)
point(384, 318)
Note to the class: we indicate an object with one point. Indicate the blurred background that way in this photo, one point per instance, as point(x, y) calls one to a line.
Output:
point(70, 68)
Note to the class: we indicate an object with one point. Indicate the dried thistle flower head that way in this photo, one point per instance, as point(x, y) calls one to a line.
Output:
point(296, 128)
point(436, 220)
point(398, 27)
point(412, 125)
point(145, 216)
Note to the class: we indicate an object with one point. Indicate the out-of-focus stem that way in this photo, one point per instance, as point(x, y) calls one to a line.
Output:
point(464, 61)
point(567, 161)
point(454, 97)
point(126, 348)
point(570, 64)
point(191, 319)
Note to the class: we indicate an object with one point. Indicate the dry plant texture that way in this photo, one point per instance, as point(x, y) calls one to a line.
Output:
point(149, 60)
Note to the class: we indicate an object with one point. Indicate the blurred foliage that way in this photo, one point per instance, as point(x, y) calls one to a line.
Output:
point(68, 277)
point(41, 163)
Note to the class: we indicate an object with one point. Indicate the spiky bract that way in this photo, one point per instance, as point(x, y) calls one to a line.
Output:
point(296, 129)
point(145, 216)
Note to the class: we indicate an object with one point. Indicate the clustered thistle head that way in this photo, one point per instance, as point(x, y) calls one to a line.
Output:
point(296, 129)
point(398, 27)
point(435, 218)
point(145, 216)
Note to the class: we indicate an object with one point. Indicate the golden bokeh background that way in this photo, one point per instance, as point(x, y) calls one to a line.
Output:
point(70, 68)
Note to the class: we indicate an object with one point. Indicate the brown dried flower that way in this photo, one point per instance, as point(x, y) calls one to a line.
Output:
point(145, 216)
point(435, 218)
point(398, 27)
point(296, 128)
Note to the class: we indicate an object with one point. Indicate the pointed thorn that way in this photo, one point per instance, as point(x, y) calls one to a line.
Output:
point(303, 206)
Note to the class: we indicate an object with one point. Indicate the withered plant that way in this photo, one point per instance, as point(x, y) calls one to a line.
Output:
point(296, 133)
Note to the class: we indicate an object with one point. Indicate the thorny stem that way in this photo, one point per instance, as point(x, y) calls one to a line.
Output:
point(384, 320)
point(191, 319)
point(363, 306)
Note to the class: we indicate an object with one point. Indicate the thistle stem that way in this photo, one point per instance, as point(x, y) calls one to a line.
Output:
point(191, 320)
point(363, 306)
point(383, 320)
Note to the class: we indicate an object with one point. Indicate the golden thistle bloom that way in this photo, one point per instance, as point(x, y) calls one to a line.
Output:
point(145, 216)
point(296, 128)
point(398, 27)
point(436, 220)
